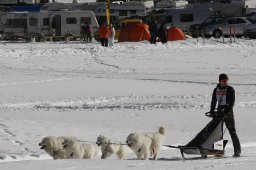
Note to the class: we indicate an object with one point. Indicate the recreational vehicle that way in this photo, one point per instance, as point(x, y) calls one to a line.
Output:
point(184, 17)
point(58, 24)
point(2, 21)
point(117, 11)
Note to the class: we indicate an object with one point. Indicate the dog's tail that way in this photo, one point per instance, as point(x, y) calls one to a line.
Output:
point(161, 130)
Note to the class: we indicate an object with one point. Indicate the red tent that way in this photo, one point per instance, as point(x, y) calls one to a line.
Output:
point(134, 32)
point(174, 34)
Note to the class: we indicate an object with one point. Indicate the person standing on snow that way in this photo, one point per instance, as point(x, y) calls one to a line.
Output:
point(224, 95)
point(153, 29)
point(104, 32)
point(162, 33)
point(83, 32)
point(111, 35)
point(88, 31)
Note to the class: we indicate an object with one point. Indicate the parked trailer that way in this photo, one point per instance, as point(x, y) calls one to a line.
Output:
point(184, 17)
point(43, 24)
point(117, 11)
point(2, 21)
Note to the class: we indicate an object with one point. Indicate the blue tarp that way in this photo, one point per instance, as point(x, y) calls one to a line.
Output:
point(35, 7)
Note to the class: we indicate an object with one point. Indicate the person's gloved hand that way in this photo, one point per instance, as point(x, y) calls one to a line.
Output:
point(211, 113)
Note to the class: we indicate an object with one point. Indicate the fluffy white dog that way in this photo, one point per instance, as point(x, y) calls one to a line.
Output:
point(75, 150)
point(108, 148)
point(148, 143)
point(53, 146)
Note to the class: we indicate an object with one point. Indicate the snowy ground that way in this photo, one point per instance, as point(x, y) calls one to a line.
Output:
point(84, 90)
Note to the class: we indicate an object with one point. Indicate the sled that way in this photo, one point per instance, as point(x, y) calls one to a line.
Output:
point(209, 141)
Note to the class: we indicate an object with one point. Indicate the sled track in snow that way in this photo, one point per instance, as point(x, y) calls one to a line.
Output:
point(123, 106)
point(115, 103)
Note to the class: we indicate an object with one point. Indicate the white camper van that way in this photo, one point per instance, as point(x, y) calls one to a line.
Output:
point(43, 23)
point(2, 21)
point(184, 17)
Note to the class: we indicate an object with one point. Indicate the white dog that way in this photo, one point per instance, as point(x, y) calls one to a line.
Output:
point(108, 148)
point(53, 146)
point(145, 144)
point(76, 150)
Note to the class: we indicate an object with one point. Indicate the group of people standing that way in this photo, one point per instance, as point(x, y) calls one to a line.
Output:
point(107, 35)
point(157, 31)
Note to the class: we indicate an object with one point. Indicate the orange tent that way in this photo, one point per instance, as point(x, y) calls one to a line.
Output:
point(174, 34)
point(134, 32)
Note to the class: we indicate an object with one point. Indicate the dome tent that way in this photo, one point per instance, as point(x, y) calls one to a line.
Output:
point(134, 32)
point(175, 33)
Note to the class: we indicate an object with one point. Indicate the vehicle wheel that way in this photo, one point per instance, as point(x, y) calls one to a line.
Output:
point(217, 34)
point(239, 36)
point(252, 37)
point(226, 36)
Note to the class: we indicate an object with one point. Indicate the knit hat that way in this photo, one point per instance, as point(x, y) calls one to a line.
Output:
point(223, 77)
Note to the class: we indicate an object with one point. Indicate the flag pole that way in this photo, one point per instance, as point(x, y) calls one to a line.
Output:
point(108, 12)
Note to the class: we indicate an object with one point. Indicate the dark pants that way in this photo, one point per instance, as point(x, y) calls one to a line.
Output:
point(230, 124)
point(153, 38)
point(163, 39)
point(89, 37)
point(104, 42)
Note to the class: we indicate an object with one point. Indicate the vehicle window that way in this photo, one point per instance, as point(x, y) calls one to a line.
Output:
point(122, 13)
point(71, 20)
point(208, 20)
point(32, 22)
point(168, 19)
point(46, 21)
point(133, 12)
point(85, 20)
point(98, 10)
point(221, 21)
point(53, 23)
point(186, 18)
point(231, 21)
point(240, 21)
point(16, 23)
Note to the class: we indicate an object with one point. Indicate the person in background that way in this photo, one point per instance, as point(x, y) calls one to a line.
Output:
point(104, 33)
point(162, 33)
point(83, 32)
point(111, 35)
point(153, 29)
point(224, 97)
point(88, 32)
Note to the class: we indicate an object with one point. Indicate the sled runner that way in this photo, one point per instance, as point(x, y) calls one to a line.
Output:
point(207, 142)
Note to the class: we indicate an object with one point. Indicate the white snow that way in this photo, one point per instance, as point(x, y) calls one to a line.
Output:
point(84, 90)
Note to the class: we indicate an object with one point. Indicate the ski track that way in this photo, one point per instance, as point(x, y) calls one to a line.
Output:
point(132, 102)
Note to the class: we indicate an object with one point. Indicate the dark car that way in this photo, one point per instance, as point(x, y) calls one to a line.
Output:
point(250, 31)
point(197, 29)
point(252, 16)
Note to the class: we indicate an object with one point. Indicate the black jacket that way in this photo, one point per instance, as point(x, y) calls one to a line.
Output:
point(230, 99)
